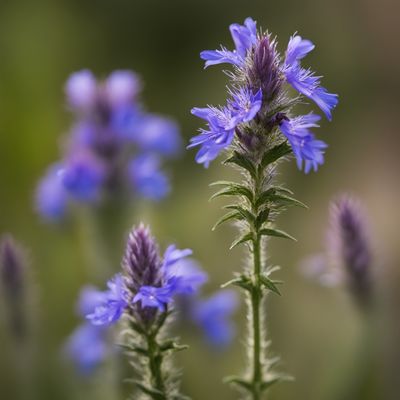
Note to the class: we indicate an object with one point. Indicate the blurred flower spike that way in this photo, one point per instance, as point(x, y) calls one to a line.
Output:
point(114, 145)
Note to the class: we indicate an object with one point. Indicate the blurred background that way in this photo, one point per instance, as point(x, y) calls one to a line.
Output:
point(318, 332)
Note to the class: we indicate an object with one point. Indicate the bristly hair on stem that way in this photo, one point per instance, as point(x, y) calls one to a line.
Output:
point(257, 129)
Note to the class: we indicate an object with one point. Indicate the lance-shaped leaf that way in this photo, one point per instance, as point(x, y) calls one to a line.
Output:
point(240, 382)
point(228, 217)
point(276, 233)
point(270, 284)
point(262, 217)
point(246, 214)
point(233, 189)
point(172, 345)
point(275, 154)
point(152, 392)
point(242, 239)
point(242, 281)
point(243, 162)
point(284, 200)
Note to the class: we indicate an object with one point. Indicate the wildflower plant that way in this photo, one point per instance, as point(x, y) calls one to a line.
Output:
point(142, 296)
point(258, 128)
point(113, 147)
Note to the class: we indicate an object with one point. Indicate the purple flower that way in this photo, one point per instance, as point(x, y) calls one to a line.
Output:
point(51, 196)
point(213, 316)
point(304, 80)
point(154, 133)
point(90, 298)
point(156, 297)
point(183, 276)
point(83, 175)
point(81, 90)
point(244, 37)
point(87, 347)
point(180, 276)
point(121, 88)
point(147, 178)
point(115, 302)
point(350, 244)
point(305, 147)
point(245, 104)
point(110, 128)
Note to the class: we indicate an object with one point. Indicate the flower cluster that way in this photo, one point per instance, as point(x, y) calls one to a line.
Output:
point(259, 100)
point(113, 144)
point(148, 284)
point(348, 258)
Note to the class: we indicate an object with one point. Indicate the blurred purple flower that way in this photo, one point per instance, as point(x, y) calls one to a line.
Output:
point(110, 128)
point(147, 179)
point(213, 316)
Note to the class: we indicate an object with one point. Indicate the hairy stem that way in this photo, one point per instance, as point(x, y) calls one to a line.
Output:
point(255, 304)
point(155, 363)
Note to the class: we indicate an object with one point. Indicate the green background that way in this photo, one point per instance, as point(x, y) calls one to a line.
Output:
point(318, 331)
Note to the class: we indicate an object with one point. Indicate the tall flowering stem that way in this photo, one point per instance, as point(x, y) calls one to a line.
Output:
point(142, 296)
point(257, 129)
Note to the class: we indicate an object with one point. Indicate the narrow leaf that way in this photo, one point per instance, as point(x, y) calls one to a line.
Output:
point(276, 233)
point(227, 217)
point(242, 239)
point(234, 190)
point(269, 284)
point(275, 154)
point(241, 161)
point(240, 382)
point(262, 217)
point(246, 214)
point(241, 281)
point(284, 200)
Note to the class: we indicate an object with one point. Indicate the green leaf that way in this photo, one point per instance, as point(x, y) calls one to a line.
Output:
point(242, 161)
point(240, 382)
point(267, 384)
point(269, 284)
point(152, 392)
point(242, 281)
point(172, 345)
point(234, 189)
point(276, 233)
point(246, 214)
point(242, 239)
point(275, 154)
point(284, 200)
point(227, 217)
point(262, 217)
point(134, 349)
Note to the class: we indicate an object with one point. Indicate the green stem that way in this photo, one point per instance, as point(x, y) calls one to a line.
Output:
point(256, 299)
point(255, 304)
point(155, 362)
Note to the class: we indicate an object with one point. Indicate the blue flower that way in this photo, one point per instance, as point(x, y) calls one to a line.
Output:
point(157, 297)
point(90, 297)
point(81, 90)
point(220, 134)
point(244, 37)
point(213, 316)
point(83, 176)
point(157, 134)
point(121, 88)
point(51, 196)
point(87, 347)
point(304, 145)
point(180, 276)
point(184, 276)
point(114, 304)
point(146, 177)
point(304, 80)
point(245, 104)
